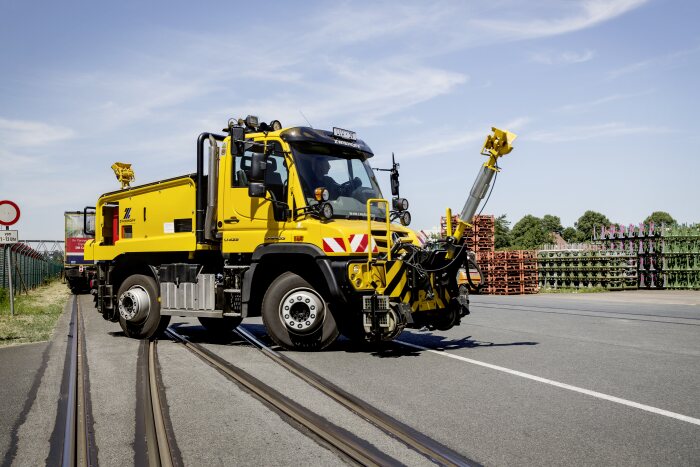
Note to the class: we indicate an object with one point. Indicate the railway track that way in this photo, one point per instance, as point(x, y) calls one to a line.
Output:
point(355, 449)
point(78, 439)
point(155, 443)
point(343, 441)
point(410, 437)
point(159, 439)
point(79, 446)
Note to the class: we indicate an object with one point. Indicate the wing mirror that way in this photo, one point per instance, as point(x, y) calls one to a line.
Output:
point(258, 167)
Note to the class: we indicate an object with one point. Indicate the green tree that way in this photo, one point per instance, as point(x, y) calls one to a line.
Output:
point(502, 232)
point(587, 222)
point(529, 233)
point(660, 217)
point(552, 224)
point(569, 234)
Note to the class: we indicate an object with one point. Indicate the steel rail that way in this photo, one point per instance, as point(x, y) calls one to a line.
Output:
point(412, 438)
point(159, 452)
point(76, 437)
point(345, 442)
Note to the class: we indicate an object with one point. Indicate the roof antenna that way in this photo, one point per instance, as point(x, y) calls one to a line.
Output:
point(307, 120)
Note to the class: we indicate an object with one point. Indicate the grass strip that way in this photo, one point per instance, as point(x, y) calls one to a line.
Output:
point(35, 314)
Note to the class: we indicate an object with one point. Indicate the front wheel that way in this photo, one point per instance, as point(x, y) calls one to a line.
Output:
point(139, 308)
point(296, 315)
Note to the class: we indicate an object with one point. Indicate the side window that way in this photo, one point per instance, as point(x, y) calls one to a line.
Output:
point(241, 169)
point(275, 176)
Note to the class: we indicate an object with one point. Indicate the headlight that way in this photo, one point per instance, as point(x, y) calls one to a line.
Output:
point(400, 204)
point(327, 210)
point(321, 194)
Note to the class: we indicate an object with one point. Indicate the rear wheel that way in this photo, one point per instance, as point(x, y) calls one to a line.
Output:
point(139, 309)
point(220, 325)
point(296, 315)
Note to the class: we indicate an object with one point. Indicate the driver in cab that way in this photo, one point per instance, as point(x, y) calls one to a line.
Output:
point(320, 169)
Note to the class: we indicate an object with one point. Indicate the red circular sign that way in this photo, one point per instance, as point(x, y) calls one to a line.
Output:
point(9, 212)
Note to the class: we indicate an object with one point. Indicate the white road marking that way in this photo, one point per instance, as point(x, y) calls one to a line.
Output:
point(599, 395)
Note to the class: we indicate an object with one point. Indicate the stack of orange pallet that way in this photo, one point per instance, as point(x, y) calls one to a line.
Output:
point(510, 272)
point(505, 272)
point(479, 237)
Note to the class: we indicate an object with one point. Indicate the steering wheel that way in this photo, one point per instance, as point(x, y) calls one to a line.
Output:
point(348, 187)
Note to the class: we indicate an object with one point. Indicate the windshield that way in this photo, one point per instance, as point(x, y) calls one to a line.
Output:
point(347, 176)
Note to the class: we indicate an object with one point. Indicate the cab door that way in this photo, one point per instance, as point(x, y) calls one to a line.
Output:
point(247, 222)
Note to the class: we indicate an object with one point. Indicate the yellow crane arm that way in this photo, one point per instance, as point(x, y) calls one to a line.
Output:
point(497, 144)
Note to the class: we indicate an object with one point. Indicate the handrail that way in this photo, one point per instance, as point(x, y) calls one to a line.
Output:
point(378, 201)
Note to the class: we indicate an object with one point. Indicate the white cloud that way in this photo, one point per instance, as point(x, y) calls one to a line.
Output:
point(584, 14)
point(586, 132)
point(557, 58)
point(358, 95)
point(31, 133)
point(451, 140)
point(663, 60)
point(585, 106)
point(629, 69)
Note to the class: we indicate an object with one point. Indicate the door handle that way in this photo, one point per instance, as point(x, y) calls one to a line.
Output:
point(231, 220)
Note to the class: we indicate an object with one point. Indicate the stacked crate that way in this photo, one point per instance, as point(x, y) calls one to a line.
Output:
point(665, 257)
point(681, 257)
point(505, 272)
point(585, 267)
point(510, 272)
point(479, 237)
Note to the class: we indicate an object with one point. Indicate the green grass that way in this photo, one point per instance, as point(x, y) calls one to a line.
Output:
point(573, 290)
point(35, 314)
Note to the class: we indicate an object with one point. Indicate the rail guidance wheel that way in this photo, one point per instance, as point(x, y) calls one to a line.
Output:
point(139, 308)
point(296, 315)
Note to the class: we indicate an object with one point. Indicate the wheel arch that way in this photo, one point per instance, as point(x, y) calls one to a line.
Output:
point(128, 265)
point(271, 260)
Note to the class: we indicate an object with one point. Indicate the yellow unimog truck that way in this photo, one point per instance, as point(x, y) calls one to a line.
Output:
point(286, 223)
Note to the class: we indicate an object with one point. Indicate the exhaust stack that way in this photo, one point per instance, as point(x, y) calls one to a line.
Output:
point(212, 183)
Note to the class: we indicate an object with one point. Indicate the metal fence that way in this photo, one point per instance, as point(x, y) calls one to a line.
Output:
point(30, 268)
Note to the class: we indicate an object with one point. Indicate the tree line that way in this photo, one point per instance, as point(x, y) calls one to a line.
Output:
point(531, 232)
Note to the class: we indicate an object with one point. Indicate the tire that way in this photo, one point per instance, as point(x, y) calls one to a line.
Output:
point(150, 325)
point(312, 327)
point(220, 325)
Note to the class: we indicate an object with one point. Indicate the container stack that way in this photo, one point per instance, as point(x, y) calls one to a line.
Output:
point(643, 243)
point(509, 272)
point(666, 257)
point(681, 257)
point(586, 267)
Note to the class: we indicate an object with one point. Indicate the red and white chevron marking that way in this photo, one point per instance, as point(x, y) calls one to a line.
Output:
point(359, 242)
point(334, 245)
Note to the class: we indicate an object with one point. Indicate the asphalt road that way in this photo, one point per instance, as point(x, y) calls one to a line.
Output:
point(550, 379)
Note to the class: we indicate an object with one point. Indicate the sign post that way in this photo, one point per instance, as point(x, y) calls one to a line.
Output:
point(9, 215)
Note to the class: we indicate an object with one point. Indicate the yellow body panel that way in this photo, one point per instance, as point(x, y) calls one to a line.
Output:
point(148, 216)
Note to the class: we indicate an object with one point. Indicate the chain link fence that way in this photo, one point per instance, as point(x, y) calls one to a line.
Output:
point(29, 268)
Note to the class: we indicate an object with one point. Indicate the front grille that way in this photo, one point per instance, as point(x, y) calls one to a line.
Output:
point(382, 302)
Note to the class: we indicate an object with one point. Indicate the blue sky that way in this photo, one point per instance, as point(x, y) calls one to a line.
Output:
point(603, 95)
